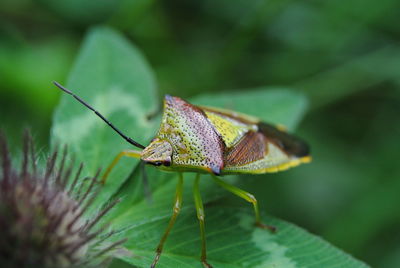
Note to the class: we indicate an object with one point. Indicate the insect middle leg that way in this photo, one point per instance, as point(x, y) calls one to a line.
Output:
point(248, 197)
point(176, 209)
point(200, 215)
point(128, 153)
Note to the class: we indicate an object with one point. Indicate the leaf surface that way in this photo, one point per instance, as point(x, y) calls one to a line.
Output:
point(270, 104)
point(111, 75)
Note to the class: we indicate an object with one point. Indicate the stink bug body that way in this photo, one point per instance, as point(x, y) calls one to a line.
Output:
point(215, 141)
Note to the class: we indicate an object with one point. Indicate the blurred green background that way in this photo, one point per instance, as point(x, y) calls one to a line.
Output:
point(345, 56)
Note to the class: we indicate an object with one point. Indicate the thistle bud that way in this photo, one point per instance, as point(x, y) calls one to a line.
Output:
point(42, 221)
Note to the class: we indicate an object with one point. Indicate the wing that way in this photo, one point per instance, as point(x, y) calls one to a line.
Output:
point(231, 126)
point(265, 151)
point(253, 146)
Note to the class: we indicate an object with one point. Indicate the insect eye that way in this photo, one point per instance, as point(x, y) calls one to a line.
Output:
point(160, 163)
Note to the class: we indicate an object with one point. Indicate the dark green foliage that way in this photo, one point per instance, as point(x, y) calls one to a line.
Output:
point(341, 57)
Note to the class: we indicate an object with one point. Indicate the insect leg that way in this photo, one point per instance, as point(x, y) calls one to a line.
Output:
point(200, 215)
point(128, 153)
point(248, 197)
point(176, 209)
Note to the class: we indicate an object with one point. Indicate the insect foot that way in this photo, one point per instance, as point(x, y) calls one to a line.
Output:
point(271, 228)
point(206, 264)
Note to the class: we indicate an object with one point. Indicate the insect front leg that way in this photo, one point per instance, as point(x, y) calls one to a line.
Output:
point(176, 210)
point(248, 197)
point(200, 215)
point(128, 153)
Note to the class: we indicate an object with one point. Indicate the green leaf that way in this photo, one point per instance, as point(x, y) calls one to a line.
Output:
point(116, 263)
point(112, 75)
point(233, 241)
point(270, 104)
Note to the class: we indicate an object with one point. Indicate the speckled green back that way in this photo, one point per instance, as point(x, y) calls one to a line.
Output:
point(195, 142)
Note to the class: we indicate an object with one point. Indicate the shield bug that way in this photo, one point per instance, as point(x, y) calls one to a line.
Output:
point(213, 141)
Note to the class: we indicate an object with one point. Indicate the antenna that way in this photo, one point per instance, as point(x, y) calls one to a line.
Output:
point(131, 141)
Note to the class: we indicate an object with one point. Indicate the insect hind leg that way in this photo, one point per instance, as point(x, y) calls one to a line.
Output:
point(249, 198)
